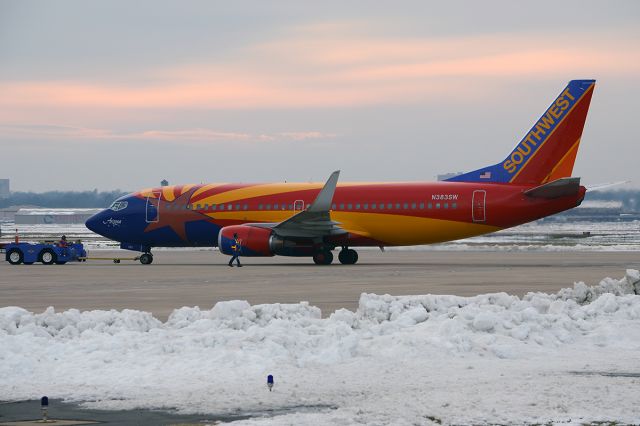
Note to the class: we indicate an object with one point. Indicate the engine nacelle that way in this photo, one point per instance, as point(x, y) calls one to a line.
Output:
point(254, 241)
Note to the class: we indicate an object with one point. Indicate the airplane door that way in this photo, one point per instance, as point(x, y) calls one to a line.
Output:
point(479, 202)
point(298, 206)
point(153, 207)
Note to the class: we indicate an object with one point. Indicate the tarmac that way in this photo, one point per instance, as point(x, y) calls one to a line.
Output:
point(28, 413)
point(201, 278)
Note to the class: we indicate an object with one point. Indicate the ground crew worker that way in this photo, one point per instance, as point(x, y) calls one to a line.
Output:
point(236, 251)
point(63, 244)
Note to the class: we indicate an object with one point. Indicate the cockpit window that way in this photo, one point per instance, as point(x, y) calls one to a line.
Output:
point(119, 205)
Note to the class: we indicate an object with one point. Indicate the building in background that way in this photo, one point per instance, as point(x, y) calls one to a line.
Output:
point(5, 189)
point(446, 176)
point(53, 216)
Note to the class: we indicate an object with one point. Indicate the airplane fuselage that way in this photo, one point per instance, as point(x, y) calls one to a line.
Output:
point(373, 214)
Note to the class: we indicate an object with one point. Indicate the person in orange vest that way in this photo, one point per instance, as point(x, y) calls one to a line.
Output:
point(236, 246)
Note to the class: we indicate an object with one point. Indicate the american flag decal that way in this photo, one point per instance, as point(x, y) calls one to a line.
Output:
point(485, 175)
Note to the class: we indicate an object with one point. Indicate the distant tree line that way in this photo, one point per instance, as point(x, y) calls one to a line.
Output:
point(63, 199)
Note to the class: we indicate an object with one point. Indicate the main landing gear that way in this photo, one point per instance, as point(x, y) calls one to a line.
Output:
point(348, 256)
point(324, 257)
point(146, 258)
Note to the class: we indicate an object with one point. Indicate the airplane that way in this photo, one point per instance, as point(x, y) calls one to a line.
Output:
point(312, 219)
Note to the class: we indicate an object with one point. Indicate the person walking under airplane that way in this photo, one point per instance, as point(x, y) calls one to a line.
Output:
point(236, 251)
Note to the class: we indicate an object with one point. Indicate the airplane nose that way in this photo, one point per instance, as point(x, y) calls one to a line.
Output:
point(94, 223)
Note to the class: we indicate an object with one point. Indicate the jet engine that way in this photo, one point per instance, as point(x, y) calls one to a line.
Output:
point(256, 241)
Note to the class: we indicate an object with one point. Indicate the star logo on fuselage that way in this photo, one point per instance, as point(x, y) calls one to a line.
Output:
point(175, 215)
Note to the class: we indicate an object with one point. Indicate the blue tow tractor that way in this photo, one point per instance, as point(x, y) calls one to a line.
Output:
point(47, 253)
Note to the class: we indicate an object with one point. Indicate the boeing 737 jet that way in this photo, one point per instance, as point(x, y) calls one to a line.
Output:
point(312, 219)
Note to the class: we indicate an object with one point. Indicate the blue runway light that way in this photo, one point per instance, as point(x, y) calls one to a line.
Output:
point(270, 382)
point(44, 406)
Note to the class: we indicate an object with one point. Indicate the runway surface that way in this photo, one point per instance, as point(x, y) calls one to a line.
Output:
point(201, 278)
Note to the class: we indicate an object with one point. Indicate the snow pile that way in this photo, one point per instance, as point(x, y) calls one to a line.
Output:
point(396, 359)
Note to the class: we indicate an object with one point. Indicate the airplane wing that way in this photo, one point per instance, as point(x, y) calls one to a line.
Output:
point(314, 221)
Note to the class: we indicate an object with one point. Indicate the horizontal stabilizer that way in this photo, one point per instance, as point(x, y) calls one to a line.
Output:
point(558, 188)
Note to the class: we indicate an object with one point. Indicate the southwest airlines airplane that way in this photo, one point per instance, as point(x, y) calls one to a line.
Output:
point(312, 219)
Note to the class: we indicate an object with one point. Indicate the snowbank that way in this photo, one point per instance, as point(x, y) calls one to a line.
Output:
point(396, 359)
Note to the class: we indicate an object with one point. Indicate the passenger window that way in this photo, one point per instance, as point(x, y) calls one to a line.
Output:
point(421, 206)
point(349, 206)
point(413, 206)
point(333, 206)
point(406, 206)
point(454, 205)
point(446, 205)
point(197, 206)
point(397, 206)
point(390, 206)
point(213, 206)
point(268, 206)
point(259, 206)
point(358, 206)
point(437, 205)
point(275, 206)
point(341, 206)
point(229, 206)
point(366, 206)
point(381, 206)
point(290, 206)
point(245, 207)
point(430, 206)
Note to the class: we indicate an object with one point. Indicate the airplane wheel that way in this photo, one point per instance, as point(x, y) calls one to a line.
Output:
point(146, 259)
point(353, 257)
point(15, 257)
point(348, 256)
point(47, 257)
point(324, 257)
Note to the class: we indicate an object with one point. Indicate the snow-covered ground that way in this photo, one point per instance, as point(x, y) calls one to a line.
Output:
point(567, 358)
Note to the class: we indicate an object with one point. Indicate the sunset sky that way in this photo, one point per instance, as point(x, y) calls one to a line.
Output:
point(121, 94)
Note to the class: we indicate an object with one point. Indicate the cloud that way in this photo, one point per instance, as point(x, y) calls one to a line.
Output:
point(31, 131)
point(336, 64)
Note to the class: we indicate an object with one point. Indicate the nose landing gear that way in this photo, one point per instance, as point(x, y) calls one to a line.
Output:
point(348, 256)
point(146, 258)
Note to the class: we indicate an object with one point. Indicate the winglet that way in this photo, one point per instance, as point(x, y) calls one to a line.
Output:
point(323, 201)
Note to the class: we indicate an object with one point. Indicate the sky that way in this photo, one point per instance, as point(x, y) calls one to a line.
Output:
point(121, 94)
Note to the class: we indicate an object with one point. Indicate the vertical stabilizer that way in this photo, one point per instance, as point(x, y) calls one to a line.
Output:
point(548, 151)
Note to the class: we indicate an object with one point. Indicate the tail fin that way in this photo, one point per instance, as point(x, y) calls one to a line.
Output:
point(549, 149)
